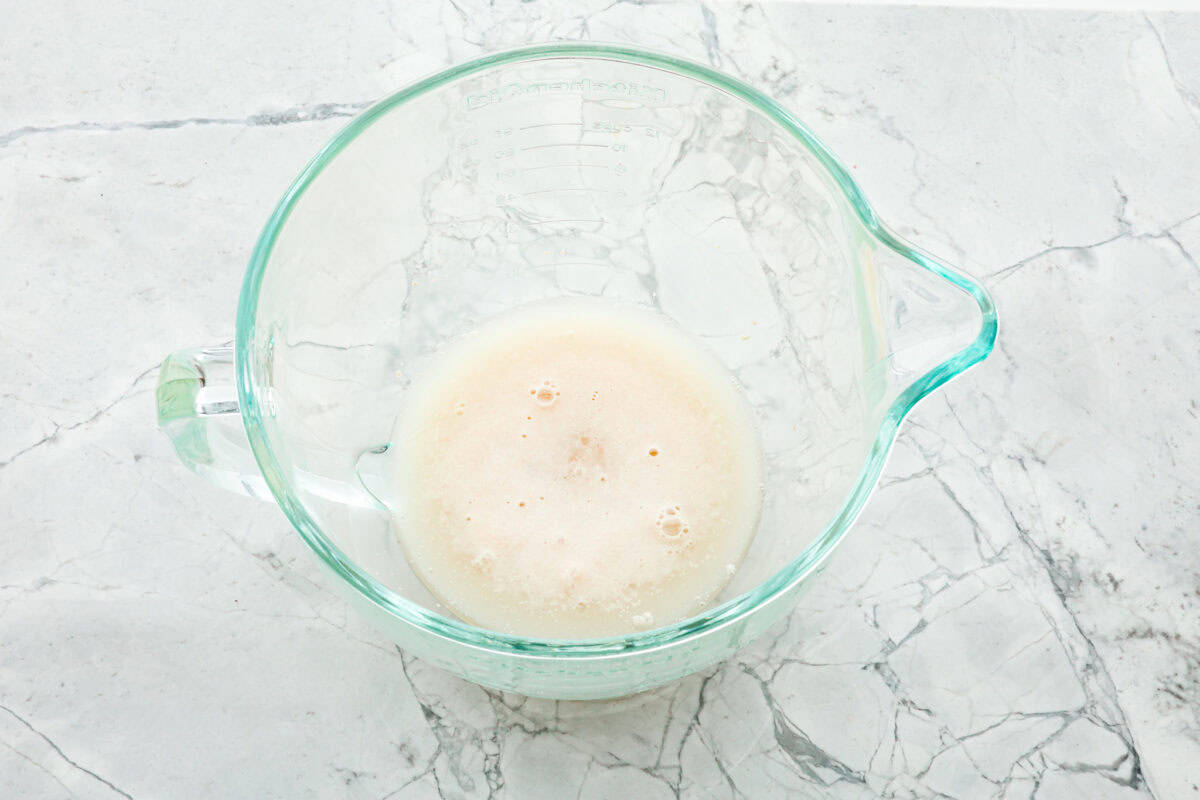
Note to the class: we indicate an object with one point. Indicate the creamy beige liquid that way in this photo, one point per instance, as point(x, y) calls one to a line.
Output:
point(572, 469)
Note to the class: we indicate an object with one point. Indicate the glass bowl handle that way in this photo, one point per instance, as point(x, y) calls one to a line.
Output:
point(198, 410)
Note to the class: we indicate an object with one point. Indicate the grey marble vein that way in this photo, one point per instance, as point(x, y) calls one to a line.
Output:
point(58, 751)
point(315, 113)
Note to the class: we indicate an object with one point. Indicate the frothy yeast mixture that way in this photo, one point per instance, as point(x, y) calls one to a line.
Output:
point(573, 469)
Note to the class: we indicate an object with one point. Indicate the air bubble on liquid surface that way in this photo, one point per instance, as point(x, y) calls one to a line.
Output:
point(483, 561)
point(671, 524)
point(545, 395)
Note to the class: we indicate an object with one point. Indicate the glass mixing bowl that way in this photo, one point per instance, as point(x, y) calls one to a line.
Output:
point(572, 170)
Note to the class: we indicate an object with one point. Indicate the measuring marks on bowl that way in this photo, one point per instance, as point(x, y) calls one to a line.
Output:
point(569, 182)
point(572, 150)
point(555, 168)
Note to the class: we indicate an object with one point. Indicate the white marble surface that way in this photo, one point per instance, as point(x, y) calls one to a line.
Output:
point(1017, 614)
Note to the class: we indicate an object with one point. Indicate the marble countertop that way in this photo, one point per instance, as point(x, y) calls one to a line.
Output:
point(1017, 614)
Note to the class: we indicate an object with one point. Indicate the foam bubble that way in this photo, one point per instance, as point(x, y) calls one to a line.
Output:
point(483, 561)
point(671, 524)
point(546, 394)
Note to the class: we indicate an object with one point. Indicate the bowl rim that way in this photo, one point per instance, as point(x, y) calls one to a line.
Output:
point(730, 612)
